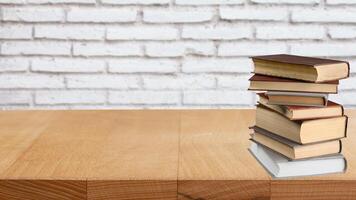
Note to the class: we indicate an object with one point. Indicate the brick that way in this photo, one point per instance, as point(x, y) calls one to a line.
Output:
point(67, 65)
point(12, 1)
point(346, 98)
point(61, 1)
point(177, 49)
point(142, 33)
point(108, 15)
point(290, 32)
point(144, 97)
point(286, 1)
point(324, 49)
point(28, 14)
point(209, 2)
point(352, 64)
point(342, 32)
point(318, 15)
point(70, 97)
point(179, 82)
point(216, 65)
point(133, 2)
point(70, 32)
point(13, 64)
point(258, 14)
point(35, 48)
point(30, 82)
point(177, 15)
point(221, 97)
point(102, 81)
point(217, 32)
point(143, 65)
point(15, 32)
point(108, 49)
point(250, 48)
point(234, 82)
point(340, 2)
point(348, 84)
point(15, 97)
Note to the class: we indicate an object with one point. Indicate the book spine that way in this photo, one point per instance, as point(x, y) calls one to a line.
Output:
point(346, 125)
point(348, 69)
point(342, 110)
point(345, 169)
point(325, 101)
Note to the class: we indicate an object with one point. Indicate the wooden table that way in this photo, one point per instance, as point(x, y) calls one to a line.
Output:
point(161, 154)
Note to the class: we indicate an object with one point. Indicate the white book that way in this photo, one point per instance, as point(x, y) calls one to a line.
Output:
point(279, 166)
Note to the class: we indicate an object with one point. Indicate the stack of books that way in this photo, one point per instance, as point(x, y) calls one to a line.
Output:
point(298, 131)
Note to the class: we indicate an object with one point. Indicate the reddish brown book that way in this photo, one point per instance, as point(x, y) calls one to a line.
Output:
point(304, 112)
point(270, 83)
point(301, 68)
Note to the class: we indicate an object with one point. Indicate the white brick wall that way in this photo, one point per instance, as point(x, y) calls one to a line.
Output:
point(70, 54)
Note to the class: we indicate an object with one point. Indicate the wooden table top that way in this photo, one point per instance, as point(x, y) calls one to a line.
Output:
point(147, 154)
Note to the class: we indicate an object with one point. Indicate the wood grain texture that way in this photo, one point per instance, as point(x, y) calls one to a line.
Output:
point(18, 131)
point(126, 190)
point(313, 190)
point(148, 154)
point(214, 146)
point(224, 189)
point(42, 189)
point(82, 145)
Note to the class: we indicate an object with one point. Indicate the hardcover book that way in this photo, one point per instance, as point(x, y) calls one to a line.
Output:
point(279, 166)
point(301, 68)
point(297, 98)
point(304, 131)
point(294, 150)
point(269, 83)
point(304, 112)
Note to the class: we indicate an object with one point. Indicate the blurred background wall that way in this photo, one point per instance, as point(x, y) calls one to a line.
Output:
point(81, 54)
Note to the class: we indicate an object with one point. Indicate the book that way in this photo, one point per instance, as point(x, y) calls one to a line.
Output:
point(304, 131)
point(301, 68)
point(279, 166)
point(297, 98)
point(270, 83)
point(294, 150)
point(304, 112)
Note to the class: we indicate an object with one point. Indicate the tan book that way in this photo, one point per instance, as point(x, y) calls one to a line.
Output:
point(294, 150)
point(297, 98)
point(270, 83)
point(302, 132)
point(304, 112)
point(301, 68)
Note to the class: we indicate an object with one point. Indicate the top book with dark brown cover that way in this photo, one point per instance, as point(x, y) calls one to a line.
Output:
point(301, 68)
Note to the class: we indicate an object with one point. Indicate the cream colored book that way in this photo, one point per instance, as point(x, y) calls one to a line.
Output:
point(297, 98)
point(272, 83)
point(302, 132)
point(294, 150)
